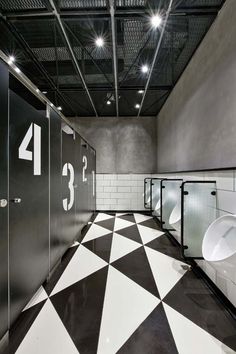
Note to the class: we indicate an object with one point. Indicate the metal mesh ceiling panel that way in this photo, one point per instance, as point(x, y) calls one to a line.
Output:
point(81, 4)
point(16, 5)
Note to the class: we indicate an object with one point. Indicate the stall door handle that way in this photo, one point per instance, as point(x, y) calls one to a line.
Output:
point(16, 200)
point(3, 203)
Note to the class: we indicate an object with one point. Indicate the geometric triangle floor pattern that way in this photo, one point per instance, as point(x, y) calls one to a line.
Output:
point(124, 290)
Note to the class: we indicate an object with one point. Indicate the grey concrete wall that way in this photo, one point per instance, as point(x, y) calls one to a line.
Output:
point(197, 125)
point(123, 145)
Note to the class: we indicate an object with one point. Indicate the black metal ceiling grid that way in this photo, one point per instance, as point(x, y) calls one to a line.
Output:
point(29, 30)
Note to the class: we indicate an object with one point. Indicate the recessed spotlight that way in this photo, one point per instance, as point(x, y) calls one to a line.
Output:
point(141, 92)
point(17, 69)
point(108, 102)
point(51, 104)
point(44, 92)
point(37, 90)
point(11, 59)
point(59, 108)
point(144, 69)
point(137, 106)
point(156, 21)
point(99, 42)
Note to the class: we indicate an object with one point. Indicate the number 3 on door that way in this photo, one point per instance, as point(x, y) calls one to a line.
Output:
point(68, 167)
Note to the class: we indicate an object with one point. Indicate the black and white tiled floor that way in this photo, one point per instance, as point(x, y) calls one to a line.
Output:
point(124, 290)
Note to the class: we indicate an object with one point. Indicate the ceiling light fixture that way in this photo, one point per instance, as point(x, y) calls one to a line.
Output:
point(137, 106)
point(44, 92)
point(144, 69)
point(99, 42)
point(108, 102)
point(141, 92)
point(59, 108)
point(37, 90)
point(51, 104)
point(11, 59)
point(156, 21)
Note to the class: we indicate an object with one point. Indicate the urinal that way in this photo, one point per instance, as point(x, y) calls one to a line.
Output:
point(219, 246)
point(175, 217)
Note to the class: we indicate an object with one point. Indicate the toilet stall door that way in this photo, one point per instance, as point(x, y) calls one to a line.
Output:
point(28, 201)
point(57, 246)
point(68, 186)
point(3, 199)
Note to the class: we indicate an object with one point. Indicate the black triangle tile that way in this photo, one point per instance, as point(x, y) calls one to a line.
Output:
point(49, 286)
point(192, 298)
point(108, 224)
point(135, 265)
point(101, 246)
point(21, 326)
point(131, 232)
point(153, 336)
point(80, 309)
point(128, 217)
point(151, 223)
point(165, 245)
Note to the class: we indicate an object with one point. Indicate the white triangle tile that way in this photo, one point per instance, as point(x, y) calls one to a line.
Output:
point(76, 243)
point(95, 231)
point(47, 335)
point(166, 270)
point(103, 216)
point(140, 217)
point(147, 234)
point(122, 224)
point(190, 338)
point(126, 306)
point(121, 246)
point(120, 214)
point(82, 264)
point(39, 296)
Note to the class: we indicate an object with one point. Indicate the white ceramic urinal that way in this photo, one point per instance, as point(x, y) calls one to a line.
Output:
point(219, 246)
point(175, 217)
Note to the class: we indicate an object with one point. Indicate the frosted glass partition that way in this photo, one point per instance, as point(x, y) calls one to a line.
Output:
point(199, 211)
point(147, 193)
point(170, 197)
point(156, 196)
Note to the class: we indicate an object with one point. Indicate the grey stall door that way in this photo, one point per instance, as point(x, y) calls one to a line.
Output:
point(28, 201)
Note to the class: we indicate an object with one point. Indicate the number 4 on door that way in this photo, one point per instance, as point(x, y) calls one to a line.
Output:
point(34, 132)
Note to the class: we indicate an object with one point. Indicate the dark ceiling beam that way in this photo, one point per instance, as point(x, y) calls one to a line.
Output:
point(104, 15)
point(71, 51)
point(108, 88)
point(114, 49)
point(155, 55)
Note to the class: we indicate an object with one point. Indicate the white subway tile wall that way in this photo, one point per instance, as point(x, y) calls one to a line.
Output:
point(125, 192)
point(120, 192)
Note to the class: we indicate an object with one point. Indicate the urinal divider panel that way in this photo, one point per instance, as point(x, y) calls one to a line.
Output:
point(183, 194)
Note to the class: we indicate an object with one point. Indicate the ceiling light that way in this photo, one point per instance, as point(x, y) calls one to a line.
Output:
point(99, 42)
point(144, 69)
point(44, 92)
point(108, 102)
point(137, 106)
point(59, 108)
point(37, 90)
point(11, 59)
point(156, 21)
point(140, 91)
point(51, 104)
point(17, 69)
